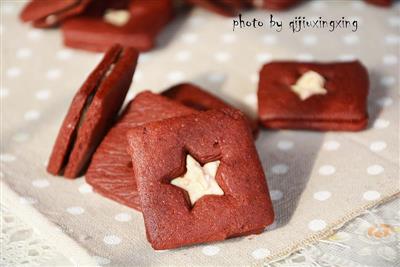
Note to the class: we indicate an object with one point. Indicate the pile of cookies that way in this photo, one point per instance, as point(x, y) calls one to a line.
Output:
point(187, 159)
point(184, 158)
point(97, 24)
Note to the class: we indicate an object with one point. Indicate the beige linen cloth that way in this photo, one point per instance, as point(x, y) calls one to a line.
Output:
point(317, 180)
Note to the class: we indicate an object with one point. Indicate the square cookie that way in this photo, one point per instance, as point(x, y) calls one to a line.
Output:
point(199, 179)
point(133, 23)
point(110, 171)
point(313, 96)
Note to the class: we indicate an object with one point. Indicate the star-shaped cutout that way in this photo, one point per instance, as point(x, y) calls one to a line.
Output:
point(309, 84)
point(199, 180)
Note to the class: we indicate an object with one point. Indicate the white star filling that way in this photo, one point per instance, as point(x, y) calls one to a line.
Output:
point(309, 84)
point(117, 17)
point(199, 180)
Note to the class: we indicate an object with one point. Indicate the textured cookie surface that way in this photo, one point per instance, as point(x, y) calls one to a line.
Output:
point(342, 107)
point(110, 171)
point(159, 151)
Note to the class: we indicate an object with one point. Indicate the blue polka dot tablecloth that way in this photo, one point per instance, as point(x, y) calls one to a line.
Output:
point(317, 180)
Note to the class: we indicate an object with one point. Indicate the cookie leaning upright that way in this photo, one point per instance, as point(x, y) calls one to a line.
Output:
point(92, 112)
point(199, 179)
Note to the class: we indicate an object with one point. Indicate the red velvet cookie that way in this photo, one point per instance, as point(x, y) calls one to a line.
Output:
point(92, 112)
point(382, 3)
point(314, 96)
point(134, 23)
point(275, 4)
point(226, 8)
point(110, 171)
point(197, 98)
point(221, 163)
point(49, 13)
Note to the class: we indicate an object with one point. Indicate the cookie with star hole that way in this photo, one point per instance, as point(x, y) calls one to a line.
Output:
point(313, 96)
point(134, 23)
point(199, 179)
point(110, 171)
point(198, 98)
point(50, 13)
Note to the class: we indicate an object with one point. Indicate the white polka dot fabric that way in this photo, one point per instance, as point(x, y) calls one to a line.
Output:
point(317, 180)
